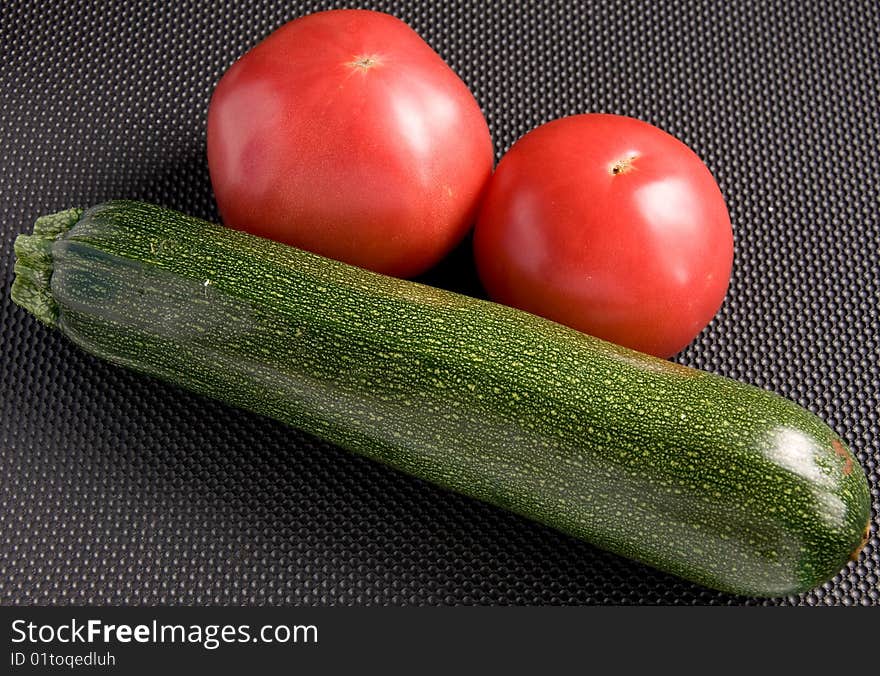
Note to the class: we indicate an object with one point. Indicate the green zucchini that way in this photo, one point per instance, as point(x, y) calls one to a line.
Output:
point(721, 483)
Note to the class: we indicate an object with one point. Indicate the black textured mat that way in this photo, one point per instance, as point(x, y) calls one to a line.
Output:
point(116, 489)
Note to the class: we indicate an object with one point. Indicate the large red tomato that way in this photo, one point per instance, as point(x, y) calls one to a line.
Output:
point(344, 133)
point(611, 226)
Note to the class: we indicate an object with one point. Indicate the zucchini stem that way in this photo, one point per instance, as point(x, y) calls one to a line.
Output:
point(33, 265)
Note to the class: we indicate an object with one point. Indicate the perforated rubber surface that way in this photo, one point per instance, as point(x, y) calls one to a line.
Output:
point(116, 489)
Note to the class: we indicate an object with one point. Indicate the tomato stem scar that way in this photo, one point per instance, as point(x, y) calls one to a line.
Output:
point(365, 61)
point(623, 165)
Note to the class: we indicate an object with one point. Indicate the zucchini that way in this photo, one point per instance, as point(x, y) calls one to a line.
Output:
point(721, 483)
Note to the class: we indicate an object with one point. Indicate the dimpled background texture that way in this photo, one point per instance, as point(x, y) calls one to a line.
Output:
point(117, 489)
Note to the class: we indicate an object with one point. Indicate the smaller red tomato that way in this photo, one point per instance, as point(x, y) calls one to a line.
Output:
point(608, 225)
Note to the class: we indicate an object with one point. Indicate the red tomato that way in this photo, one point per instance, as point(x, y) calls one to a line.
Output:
point(344, 133)
point(611, 226)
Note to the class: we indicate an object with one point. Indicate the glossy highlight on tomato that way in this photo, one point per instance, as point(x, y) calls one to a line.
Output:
point(611, 226)
point(345, 134)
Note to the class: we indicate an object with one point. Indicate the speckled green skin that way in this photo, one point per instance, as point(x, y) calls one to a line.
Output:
point(721, 483)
